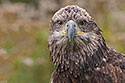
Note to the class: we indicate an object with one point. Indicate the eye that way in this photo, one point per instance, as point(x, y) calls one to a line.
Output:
point(60, 23)
point(82, 23)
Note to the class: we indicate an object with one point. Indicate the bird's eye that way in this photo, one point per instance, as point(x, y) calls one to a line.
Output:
point(60, 23)
point(82, 23)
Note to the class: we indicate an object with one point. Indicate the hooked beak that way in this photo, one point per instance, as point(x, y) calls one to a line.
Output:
point(71, 29)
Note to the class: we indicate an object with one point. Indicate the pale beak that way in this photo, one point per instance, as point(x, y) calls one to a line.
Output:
point(71, 29)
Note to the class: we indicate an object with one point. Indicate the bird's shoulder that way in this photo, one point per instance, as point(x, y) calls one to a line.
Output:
point(114, 68)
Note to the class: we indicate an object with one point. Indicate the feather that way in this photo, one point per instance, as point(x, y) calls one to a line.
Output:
point(85, 59)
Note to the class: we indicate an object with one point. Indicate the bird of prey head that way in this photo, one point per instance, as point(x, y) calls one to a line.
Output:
point(76, 45)
point(72, 25)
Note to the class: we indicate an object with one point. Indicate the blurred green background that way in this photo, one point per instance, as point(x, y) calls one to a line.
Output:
point(24, 28)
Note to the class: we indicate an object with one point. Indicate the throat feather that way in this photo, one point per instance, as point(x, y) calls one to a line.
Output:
point(67, 57)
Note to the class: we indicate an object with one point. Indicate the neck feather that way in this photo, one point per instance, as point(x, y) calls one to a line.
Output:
point(75, 57)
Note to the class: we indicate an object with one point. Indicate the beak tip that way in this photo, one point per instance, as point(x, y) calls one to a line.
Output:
point(70, 35)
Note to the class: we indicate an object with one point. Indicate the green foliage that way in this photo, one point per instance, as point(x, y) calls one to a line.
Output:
point(41, 69)
point(8, 46)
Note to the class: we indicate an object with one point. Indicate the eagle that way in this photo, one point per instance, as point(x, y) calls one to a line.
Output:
point(79, 52)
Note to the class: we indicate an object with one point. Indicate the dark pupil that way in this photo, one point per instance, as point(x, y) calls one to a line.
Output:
point(60, 22)
point(82, 23)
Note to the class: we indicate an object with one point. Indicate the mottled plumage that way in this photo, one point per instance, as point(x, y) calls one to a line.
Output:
point(79, 52)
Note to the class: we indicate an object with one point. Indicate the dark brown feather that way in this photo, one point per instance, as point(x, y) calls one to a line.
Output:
point(85, 59)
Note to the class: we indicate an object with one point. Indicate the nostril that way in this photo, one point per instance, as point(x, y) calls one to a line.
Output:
point(74, 25)
point(67, 25)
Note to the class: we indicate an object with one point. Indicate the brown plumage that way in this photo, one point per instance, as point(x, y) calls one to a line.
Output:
point(79, 52)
